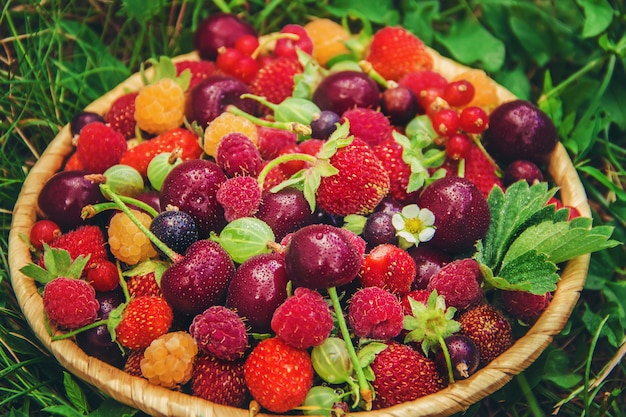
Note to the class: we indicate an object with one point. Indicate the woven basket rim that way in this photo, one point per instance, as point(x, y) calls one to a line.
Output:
point(158, 401)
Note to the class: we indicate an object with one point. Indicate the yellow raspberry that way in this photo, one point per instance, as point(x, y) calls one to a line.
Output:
point(127, 243)
point(224, 124)
point(168, 361)
point(160, 107)
point(329, 39)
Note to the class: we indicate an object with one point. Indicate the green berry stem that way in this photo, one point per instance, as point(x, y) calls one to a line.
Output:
point(92, 210)
point(364, 388)
point(478, 142)
point(293, 127)
point(79, 330)
point(446, 355)
point(281, 159)
point(108, 193)
point(367, 68)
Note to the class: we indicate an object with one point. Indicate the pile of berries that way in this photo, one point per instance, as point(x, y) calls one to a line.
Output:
point(293, 221)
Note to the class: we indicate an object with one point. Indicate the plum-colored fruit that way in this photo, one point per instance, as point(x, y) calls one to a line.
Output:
point(321, 256)
point(461, 212)
point(344, 90)
point(285, 211)
point(428, 261)
point(64, 195)
point(209, 99)
point(464, 356)
point(522, 170)
point(199, 280)
point(258, 287)
point(192, 187)
point(217, 30)
point(520, 130)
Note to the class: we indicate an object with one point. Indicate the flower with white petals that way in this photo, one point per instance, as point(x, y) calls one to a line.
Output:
point(413, 225)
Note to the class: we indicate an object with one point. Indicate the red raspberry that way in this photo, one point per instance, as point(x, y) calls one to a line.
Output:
point(121, 115)
point(303, 320)
point(240, 197)
point(375, 313)
point(270, 141)
point(460, 283)
point(221, 332)
point(238, 155)
point(369, 125)
point(99, 147)
point(199, 70)
point(70, 303)
point(524, 305)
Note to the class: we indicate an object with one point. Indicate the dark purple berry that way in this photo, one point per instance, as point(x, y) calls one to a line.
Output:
point(428, 262)
point(325, 124)
point(399, 104)
point(82, 119)
point(379, 229)
point(522, 170)
point(176, 229)
point(345, 90)
point(464, 356)
point(285, 211)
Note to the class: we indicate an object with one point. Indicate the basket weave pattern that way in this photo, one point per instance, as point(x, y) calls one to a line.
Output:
point(157, 401)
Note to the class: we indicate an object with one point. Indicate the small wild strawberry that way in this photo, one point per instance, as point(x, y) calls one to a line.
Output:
point(141, 321)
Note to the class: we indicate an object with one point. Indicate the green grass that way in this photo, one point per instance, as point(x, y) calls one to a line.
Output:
point(568, 56)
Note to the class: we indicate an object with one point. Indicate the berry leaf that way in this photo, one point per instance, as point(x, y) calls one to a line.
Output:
point(531, 272)
point(58, 264)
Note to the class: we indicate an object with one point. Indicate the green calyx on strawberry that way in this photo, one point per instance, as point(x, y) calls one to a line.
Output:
point(430, 323)
point(345, 167)
point(165, 68)
point(58, 263)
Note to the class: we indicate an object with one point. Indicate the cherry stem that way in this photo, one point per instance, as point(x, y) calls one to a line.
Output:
point(446, 355)
point(91, 210)
point(293, 127)
point(364, 388)
point(281, 159)
point(367, 68)
point(108, 193)
point(79, 330)
point(271, 38)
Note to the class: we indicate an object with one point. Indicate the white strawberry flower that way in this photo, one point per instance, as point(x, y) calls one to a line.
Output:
point(413, 225)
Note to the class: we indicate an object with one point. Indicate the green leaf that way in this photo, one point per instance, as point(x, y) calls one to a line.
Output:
point(598, 16)
point(509, 212)
point(470, 43)
point(110, 407)
point(531, 40)
point(531, 271)
point(74, 393)
point(63, 410)
point(367, 354)
point(355, 223)
point(142, 11)
point(559, 371)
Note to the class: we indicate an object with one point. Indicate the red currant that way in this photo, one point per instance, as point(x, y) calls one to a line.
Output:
point(445, 122)
point(43, 231)
point(103, 276)
point(474, 119)
point(458, 146)
point(247, 44)
point(459, 93)
point(228, 59)
point(245, 69)
point(428, 96)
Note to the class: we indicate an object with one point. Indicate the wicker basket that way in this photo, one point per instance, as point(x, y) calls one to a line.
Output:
point(157, 401)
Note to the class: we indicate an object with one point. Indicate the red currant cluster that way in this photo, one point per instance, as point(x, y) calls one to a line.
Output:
point(243, 60)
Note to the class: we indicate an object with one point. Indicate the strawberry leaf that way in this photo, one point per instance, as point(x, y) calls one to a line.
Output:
point(532, 272)
point(58, 263)
point(307, 81)
point(368, 353)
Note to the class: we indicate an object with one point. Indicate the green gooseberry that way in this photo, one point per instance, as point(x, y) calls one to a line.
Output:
point(331, 361)
point(124, 180)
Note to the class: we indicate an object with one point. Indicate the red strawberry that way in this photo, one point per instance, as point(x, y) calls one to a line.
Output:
point(390, 155)
point(387, 266)
point(275, 80)
point(478, 169)
point(360, 184)
point(143, 320)
point(403, 374)
point(99, 147)
point(199, 70)
point(394, 52)
point(73, 164)
point(219, 381)
point(489, 329)
point(121, 115)
point(277, 375)
point(143, 286)
point(85, 240)
point(139, 156)
point(274, 177)
point(133, 362)
point(70, 303)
